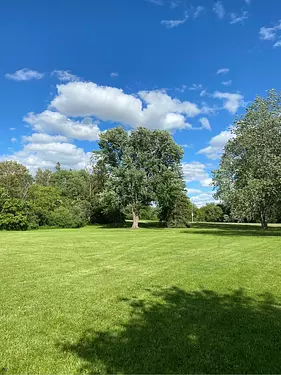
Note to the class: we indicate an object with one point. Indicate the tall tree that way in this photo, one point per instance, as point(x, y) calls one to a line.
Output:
point(135, 164)
point(249, 176)
point(43, 178)
point(15, 179)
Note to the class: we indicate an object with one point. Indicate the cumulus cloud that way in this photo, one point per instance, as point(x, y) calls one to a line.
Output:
point(44, 138)
point(270, 33)
point(65, 76)
point(223, 71)
point(193, 191)
point(231, 102)
point(216, 145)
point(46, 155)
point(219, 9)
point(196, 171)
point(56, 123)
point(203, 198)
point(205, 123)
point(151, 109)
point(24, 75)
point(13, 140)
point(114, 74)
point(238, 18)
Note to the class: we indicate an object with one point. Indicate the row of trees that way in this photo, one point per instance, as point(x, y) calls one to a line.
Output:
point(131, 175)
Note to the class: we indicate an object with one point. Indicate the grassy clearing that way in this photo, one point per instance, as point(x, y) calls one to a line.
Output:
point(96, 300)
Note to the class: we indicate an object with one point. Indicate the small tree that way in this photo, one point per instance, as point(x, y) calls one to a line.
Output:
point(15, 179)
point(210, 213)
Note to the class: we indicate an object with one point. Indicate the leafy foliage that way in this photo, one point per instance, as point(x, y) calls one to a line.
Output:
point(249, 176)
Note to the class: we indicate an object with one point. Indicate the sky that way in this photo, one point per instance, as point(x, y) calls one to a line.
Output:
point(71, 69)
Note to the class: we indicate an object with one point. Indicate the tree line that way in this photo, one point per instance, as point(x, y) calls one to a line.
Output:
point(138, 174)
point(132, 175)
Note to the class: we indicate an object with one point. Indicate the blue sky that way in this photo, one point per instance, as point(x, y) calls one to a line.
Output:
point(70, 69)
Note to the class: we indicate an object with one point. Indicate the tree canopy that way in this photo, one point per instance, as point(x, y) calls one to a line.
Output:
point(249, 176)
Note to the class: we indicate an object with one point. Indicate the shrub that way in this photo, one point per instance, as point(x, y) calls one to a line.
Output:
point(64, 217)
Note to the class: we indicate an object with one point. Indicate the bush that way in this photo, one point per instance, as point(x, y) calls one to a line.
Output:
point(15, 214)
point(64, 217)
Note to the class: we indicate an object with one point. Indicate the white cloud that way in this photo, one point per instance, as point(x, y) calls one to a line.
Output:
point(223, 71)
point(232, 102)
point(196, 87)
point(44, 138)
point(170, 24)
point(196, 171)
point(175, 121)
point(204, 93)
point(227, 83)
point(56, 123)
point(270, 33)
point(217, 143)
point(205, 123)
point(186, 145)
point(24, 75)
point(36, 155)
point(193, 191)
point(203, 198)
point(114, 74)
point(277, 44)
point(198, 11)
point(65, 76)
point(12, 129)
point(219, 9)
point(14, 140)
point(151, 109)
point(238, 18)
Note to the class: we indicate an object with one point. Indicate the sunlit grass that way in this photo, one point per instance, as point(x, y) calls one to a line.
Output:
point(62, 290)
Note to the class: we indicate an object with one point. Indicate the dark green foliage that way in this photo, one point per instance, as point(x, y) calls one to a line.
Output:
point(249, 176)
point(16, 214)
point(180, 214)
point(210, 213)
point(43, 201)
point(64, 217)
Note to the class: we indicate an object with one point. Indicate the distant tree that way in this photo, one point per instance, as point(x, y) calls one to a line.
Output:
point(15, 179)
point(43, 201)
point(58, 167)
point(181, 213)
point(210, 213)
point(43, 178)
point(135, 163)
point(249, 176)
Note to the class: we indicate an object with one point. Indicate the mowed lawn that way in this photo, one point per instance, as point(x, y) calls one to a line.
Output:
point(96, 300)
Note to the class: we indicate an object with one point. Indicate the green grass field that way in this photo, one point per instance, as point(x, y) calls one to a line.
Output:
point(96, 300)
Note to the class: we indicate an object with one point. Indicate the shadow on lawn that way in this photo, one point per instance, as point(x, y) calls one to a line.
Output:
point(234, 230)
point(197, 332)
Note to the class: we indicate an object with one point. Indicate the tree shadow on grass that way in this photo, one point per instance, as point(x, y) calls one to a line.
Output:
point(222, 229)
point(174, 331)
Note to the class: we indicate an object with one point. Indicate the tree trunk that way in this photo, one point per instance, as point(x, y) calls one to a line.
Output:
point(135, 219)
point(263, 221)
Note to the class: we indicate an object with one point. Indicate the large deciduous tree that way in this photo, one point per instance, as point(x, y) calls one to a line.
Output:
point(15, 179)
point(143, 167)
point(249, 176)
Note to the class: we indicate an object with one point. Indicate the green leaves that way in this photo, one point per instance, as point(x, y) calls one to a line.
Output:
point(249, 176)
